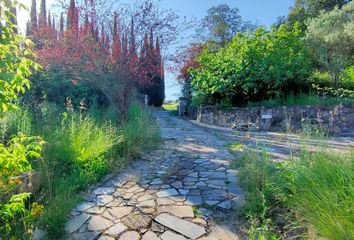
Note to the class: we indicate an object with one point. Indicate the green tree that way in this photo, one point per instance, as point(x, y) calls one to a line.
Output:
point(304, 9)
point(254, 67)
point(330, 36)
point(224, 22)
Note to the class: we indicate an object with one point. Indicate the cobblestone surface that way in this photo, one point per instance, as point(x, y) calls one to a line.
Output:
point(173, 192)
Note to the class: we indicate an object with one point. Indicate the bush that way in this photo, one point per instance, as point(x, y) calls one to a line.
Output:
point(254, 67)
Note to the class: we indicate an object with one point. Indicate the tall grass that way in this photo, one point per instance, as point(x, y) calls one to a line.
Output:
point(80, 151)
point(324, 193)
point(302, 99)
point(314, 192)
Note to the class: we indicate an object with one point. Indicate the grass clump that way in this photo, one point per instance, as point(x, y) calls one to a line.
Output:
point(80, 151)
point(292, 199)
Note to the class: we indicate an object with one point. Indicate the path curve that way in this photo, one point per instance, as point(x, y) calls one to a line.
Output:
point(172, 193)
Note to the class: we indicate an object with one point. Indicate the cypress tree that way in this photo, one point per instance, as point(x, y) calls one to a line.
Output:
point(116, 46)
point(61, 25)
point(132, 44)
point(42, 21)
point(70, 21)
point(33, 18)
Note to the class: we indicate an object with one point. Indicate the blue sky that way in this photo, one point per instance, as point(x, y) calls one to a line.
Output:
point(264, 12)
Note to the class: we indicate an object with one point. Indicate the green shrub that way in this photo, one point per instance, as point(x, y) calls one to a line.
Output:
point(254, 67)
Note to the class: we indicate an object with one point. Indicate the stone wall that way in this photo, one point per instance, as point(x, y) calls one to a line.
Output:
point(336, 119)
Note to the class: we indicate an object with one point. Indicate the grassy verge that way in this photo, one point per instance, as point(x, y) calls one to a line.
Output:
point(80, 150)
point(308, 197)
point(172, 107)
point(302, 99)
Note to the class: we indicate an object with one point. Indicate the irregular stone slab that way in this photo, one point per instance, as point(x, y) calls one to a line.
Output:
point(96, 210)
point(98, 223)
point(213, 175)
point(212, 203)
point(201, 184)
point(103, 191)
point(85, 236)
point(184, 227)
point(102, 200)
point(179, 211)
point(106, 238)
point(214, 195)
point(206, 212)
point(156, 182)
point(131, 235)
point(144, 198)
point(168, 235)
point(115, 203)
point(119, 212)
point(225, 205)
point(136, 221)
point(116, 229)
point(194, 200)
point(167, 193)
point(82, 207)
point(156, 227)
point(178, 198)
point(164, 201)
point(148, 203)
point(177, 184)
point(183, 191)
point(150, 236)
point(200, 221)
point(75, 223)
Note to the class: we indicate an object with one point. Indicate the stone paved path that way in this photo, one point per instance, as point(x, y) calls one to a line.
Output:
point(280, 146)
point(172, 193)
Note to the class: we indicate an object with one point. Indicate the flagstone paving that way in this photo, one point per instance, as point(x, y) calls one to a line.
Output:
point(173, 192)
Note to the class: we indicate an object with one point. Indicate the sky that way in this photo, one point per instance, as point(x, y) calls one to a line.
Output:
point(263, 12)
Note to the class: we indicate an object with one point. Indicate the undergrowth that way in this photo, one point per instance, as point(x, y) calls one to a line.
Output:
point(306, 197)
point(79, 150)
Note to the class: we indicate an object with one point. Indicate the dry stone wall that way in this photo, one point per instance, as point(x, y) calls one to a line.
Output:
point(335, 120)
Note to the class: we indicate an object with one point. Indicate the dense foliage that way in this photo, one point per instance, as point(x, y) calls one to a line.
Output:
point(254, 67)
point(17, 151)
point(330, 36)
point(89, 62)
point(308, 52)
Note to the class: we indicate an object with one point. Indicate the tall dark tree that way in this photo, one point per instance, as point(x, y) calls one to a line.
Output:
point(42, 20)
point(33, 17)
point(71, 16)
point(61, 25)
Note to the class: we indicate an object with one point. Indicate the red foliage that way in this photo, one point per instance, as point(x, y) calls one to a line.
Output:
point(187, 59)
